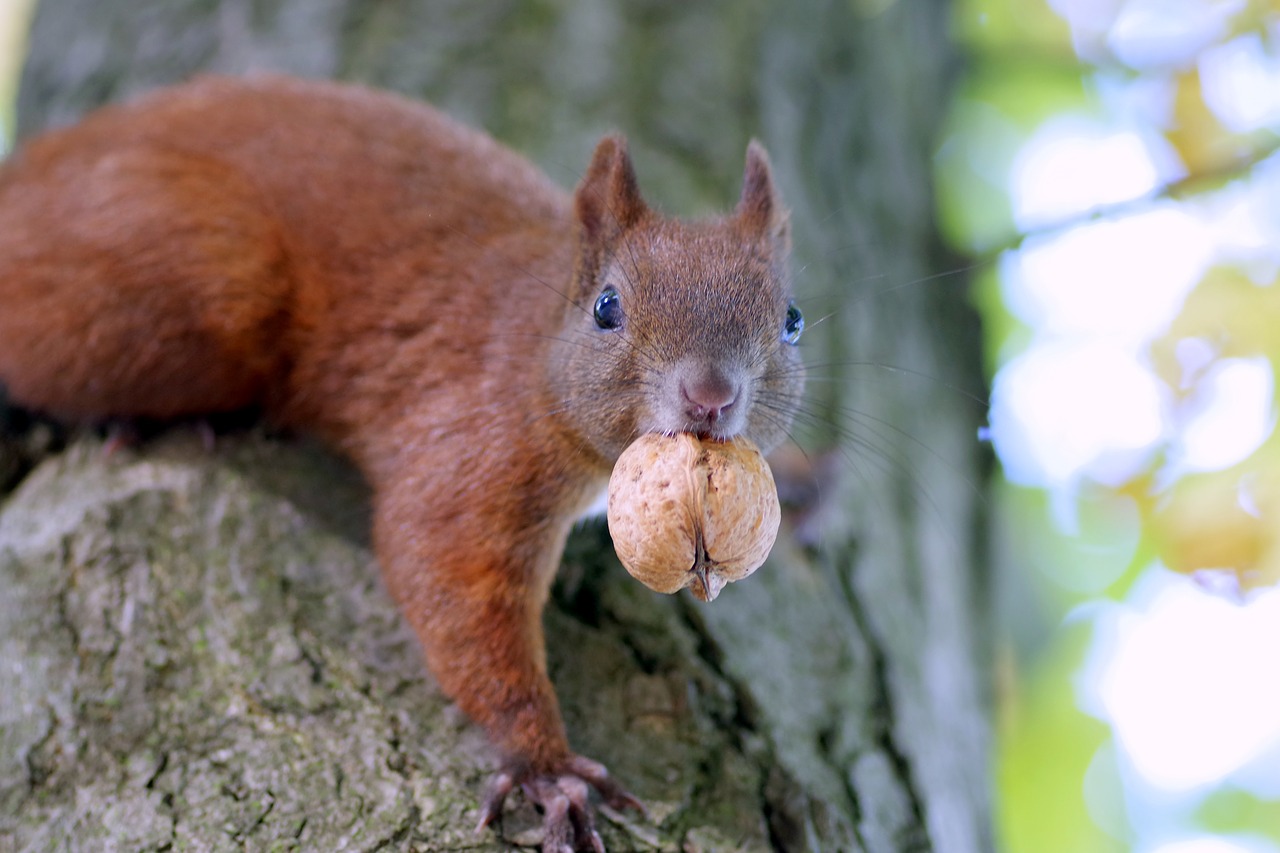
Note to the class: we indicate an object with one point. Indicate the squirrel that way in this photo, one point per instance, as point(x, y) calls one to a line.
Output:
point(480, 343)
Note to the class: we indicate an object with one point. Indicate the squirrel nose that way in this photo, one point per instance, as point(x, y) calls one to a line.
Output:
point(706, 397)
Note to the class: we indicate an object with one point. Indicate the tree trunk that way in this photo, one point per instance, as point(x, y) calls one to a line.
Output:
point(198, 651)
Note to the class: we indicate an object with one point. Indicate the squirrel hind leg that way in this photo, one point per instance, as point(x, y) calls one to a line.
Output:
point(159, 288)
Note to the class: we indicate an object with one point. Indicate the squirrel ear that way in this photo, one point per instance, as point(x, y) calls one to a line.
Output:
point(760, 209)
point(608, 199)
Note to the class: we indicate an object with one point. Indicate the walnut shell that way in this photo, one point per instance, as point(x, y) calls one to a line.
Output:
point(684, 511)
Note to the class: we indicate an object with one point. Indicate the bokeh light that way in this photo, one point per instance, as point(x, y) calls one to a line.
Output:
point(1133, 325)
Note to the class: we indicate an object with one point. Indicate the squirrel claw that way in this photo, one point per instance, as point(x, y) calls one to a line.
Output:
point(120, 434)
point(595, 774)
point(562, 797)
point(494, 797)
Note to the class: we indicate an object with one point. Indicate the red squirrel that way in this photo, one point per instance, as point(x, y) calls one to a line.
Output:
point(480, 343)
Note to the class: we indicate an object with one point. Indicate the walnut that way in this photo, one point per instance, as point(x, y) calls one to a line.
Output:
point(685, 511)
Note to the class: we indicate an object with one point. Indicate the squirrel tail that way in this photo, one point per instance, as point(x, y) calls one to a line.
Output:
point(157, 286)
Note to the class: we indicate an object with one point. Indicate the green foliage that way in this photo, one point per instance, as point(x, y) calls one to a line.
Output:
point(1046, 750)
point(1230, 810)
point(15, 16)
point(1058, 784)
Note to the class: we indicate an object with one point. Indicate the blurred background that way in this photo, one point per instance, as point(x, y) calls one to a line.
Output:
point(1111, 166)
point(1113, 163)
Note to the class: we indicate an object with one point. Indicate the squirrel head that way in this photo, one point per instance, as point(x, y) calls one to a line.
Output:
point(682, 326)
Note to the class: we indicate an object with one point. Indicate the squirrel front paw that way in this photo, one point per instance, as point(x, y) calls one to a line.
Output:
point(561, 795)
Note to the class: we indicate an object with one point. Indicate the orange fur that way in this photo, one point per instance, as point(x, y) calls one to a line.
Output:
point(362, 267)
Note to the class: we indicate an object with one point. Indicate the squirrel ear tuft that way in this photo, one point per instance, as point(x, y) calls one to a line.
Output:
point(608, 199)
point(760, 209)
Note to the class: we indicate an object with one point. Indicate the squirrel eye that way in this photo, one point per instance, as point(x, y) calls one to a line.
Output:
point(608, 311)
point(793, 325)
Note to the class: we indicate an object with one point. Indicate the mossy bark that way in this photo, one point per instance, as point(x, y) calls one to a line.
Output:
point(197, 650)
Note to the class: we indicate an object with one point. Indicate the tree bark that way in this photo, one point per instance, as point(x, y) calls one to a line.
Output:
point(198, 651)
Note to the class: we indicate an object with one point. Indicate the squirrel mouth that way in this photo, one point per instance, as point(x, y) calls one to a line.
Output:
point(703, 433)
